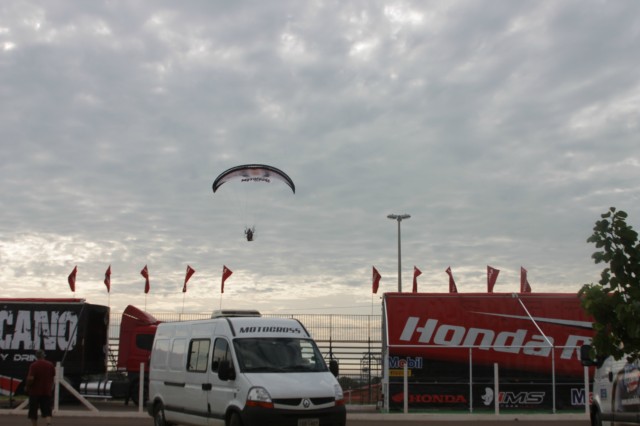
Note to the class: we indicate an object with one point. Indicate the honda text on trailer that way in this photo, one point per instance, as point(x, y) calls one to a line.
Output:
point(239, 368)
point(451, 341)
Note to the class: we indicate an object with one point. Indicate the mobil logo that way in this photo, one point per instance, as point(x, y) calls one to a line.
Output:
point(410, 362)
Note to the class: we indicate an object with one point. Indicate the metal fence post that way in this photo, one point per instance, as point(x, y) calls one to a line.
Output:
point(141, 389)
point(470, 380)
point(553, 376)
point(496, 386)
point(405, 387)
point(586, 390)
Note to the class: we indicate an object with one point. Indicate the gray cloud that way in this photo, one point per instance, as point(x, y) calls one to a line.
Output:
point(504, 131)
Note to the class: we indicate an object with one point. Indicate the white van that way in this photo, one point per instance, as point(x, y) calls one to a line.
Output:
point(241, 371)
point(616, 390)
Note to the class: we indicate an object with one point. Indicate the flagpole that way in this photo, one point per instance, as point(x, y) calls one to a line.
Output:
point(184, 294)
point(372, 303)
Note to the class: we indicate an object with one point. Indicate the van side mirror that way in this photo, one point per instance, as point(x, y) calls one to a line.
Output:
point(586, 357)
point(334, 367)
point(226, 371)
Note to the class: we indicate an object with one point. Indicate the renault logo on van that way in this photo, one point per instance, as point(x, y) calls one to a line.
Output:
point(306, 403)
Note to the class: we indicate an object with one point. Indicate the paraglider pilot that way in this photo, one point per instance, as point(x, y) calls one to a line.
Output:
point(249, 233)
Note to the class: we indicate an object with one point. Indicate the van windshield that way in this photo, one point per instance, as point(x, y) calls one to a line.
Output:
point(278, 355)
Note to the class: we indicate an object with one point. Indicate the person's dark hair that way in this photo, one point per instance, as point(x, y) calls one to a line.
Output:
point(40, 354)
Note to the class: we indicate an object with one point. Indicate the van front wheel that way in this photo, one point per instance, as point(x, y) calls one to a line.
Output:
point(596, 418)
point(158, 416)
point(235, 420)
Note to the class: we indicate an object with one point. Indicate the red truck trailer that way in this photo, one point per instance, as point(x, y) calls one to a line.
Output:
point(74, 333)
point(451, 342)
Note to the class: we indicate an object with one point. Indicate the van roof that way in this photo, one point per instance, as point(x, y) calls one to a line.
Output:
point(243, 327)
point(220, 313)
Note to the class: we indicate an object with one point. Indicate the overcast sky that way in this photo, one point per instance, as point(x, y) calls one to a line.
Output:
point(504, 128)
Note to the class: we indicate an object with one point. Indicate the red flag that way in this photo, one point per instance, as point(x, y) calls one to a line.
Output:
point(226, 273)
point(452, 283)
point(72, 279)
point(524, 282)
point(190, 271)
point(492, 276)
point(376, 280)
point(416, 273)
point(107, 279)
point(145, 274)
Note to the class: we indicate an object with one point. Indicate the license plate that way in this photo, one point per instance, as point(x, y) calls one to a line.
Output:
point(308, 422)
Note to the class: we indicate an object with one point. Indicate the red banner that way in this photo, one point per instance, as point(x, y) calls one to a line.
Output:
point(492, 276)
point(416, 273)
point(190, 272)
point(452, 283)
point(107, 279)
point(226, 273)
point(72, 279)
point(145, 274)
point(524, 282)
point(376, 280)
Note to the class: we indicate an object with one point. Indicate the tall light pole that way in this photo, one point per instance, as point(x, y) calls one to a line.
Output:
point(399, 218)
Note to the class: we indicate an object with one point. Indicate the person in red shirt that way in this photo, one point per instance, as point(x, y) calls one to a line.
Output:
point(39, 386)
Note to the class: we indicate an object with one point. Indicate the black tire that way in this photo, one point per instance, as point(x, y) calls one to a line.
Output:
point(235, 420)
point(596, 418)
point(159, 418)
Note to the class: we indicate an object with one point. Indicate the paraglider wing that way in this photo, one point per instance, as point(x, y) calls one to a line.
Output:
point(253, 173)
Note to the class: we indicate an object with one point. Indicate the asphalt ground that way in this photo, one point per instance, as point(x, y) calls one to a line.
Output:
point(352, 420)
point(115, 413)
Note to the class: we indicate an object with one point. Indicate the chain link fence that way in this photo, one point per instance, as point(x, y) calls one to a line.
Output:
point(353, 340)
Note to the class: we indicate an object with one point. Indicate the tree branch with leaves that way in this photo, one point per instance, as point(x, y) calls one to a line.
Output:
point(614, 303)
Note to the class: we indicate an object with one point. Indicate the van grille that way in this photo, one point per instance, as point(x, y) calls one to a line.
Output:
point(294, 402)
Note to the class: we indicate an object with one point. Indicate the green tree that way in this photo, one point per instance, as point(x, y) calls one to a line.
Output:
point(614, 303)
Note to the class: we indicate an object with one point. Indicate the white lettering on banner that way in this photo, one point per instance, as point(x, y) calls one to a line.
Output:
point(35, 330)
point(521, 398)
point(573, 346)
point(577, 397)
point(518, 341)
point(24, 357)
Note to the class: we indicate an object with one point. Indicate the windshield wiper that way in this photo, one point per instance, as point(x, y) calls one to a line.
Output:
point(300, 368)
point(263, 370)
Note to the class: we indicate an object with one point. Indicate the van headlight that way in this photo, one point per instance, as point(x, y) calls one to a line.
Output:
point(339, 395)
point(259, 397)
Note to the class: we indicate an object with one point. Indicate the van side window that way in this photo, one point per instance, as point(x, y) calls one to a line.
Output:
point(160, 353)
point(198, 355)
point(176, 357)
point(220, 353)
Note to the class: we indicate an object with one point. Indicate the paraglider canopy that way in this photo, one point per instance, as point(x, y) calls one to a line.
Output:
point(253, 173)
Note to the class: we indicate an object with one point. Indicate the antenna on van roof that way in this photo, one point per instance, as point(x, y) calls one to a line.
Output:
point(226, 313)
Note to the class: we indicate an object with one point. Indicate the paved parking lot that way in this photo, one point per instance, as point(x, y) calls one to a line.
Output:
point(352, 420)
